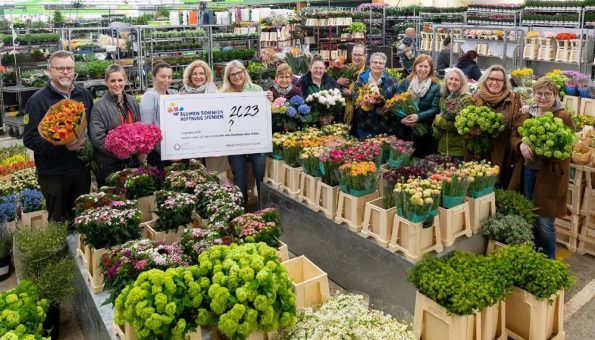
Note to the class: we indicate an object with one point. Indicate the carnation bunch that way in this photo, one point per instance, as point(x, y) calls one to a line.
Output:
point(128, 139)
point(358, 178)
point(483, 177)
point(174, 209)
point(105, 227)
point(417, 199)
point(548, 136)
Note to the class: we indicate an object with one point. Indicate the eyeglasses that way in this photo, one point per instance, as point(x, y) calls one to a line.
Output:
point(495, 80)
point(62, 68)
point(544, 94)
point(236, 75)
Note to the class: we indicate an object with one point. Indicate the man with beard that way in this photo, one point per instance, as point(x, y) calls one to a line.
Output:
point(62, 176)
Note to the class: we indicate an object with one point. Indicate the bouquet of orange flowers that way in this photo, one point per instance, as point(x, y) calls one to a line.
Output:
point(403, 105)
point(64, 122)
point(369, 97)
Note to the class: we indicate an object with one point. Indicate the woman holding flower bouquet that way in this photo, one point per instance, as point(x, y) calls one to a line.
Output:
point(540, 178)
point(455, 97)
point(369, 121)
point(495, 92)
point(317, 80)
point(237, 79)
point(113, 109)
point(423, 85)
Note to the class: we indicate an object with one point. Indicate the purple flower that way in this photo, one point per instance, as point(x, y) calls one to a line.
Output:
point(304, 109)
point(291, 112)
point(296, 100)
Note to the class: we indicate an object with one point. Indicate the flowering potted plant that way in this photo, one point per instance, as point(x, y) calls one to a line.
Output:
point(174, 210)
point(186, 180)
point(261, 226)
point(23, 312)
point(358, 178)
point(195, 241)
point(326, 104)
point(32, 208)
point(101, 199)
point(291, 114)
point(383, 141)
point(417, 199)
point(139, 183)
point(208, 194)
point(400, 153)
point(64, 122)
point(130, 139)
point(483, 178)
point(8, 211)
point(123, 263)
point(21, 179)
point(105, 227)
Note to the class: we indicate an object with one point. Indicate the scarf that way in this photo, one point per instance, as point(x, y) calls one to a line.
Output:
point(419, 89)
point(557, 106)
point(204, 88)
point(283, 92)
point(492, 99)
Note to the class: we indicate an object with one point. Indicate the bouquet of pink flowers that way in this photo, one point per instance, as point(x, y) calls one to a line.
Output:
point(129, 139)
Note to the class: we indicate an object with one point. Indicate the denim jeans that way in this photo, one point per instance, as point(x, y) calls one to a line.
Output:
point(544, 231)
point(239, 167)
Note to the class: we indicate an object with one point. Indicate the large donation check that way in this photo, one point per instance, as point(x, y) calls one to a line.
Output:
point(215, 124)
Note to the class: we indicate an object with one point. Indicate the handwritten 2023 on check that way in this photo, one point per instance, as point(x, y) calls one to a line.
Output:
point(215, 124)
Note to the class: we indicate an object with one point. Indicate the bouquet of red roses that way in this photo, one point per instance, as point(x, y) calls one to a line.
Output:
point(129, 139)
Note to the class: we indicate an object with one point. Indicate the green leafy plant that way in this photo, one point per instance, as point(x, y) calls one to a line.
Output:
point(533, 271)
point(298, 64)
point(41, 256)
point(357, 27)
point(463, 283)
point(509, 229)
point(22, 312)
point(105, 226)
point(513, 203)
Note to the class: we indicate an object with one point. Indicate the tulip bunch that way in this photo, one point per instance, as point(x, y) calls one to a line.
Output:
point(417, 199)
point(400, 153)
point(358, 178)
point(482, 178)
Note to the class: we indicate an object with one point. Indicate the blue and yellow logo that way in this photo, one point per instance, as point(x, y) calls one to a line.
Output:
point(173, 108)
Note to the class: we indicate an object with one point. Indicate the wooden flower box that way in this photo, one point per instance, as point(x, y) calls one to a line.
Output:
point(529, 318)
point(413, 239)
point(586, 240)
point(289, 181)
point(308, 185)
point(199, 222)
point(126, 332)
point(493, 246)
point(310, 283)
point(350, 210)
point(454, 223)
point(34, 220)
point(587, 106)
point(84, 252)
point(168, 237)
point(146, 205)
point(282, 252)
point(572, 102)
point(272, 171)
point(326, 197)
point(567, 230)
point(431, 321)
point(94, 274)
point(378, 222)
point(481, 209)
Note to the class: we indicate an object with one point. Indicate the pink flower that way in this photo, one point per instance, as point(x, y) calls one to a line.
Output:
point(140, 265)
point(129, 139)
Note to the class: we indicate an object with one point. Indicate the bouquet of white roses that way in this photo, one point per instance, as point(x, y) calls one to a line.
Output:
point(327, 103)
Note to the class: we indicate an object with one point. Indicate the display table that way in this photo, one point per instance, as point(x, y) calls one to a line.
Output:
point(356, 264)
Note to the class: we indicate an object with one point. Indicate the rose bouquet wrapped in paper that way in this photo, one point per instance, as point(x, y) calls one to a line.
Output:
point(401, 152)
point(548, 136)
point(64, 122)
point(482, 178)
point(129, 139)
point(417, 199)
point(358, 178)
point(369, 97)
point(479, 125)
point(455, 181)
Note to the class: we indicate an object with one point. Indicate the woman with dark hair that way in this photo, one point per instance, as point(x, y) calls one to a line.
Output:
point(149, 104)
point(112, 110)
point(468, 64)
point(316, 79)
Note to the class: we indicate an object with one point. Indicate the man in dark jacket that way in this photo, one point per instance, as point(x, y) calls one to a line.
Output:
point(62, 176)
point(444, 56)
point(408, 51)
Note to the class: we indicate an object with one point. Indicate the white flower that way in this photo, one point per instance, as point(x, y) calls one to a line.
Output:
point(309, 98)
point(322, 100)
point(331, 101)
point(342, 101)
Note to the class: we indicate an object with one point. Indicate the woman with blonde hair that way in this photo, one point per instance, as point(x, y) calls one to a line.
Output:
point(541, 179)
point(425, 89)
point(455, 97)
point(495, 92)
point(198, 78)
point(237, 79)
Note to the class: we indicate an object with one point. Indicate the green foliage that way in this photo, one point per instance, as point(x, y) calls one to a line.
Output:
point(58, 17)
point(463, 283)
point(142, 20)
point(357, 27)
point(45, 261)
point(140, 186)
point(299, 64)
point(33, 38)
point(22, 312)
point(509, 229)
point(513, 203)
point(534, 271)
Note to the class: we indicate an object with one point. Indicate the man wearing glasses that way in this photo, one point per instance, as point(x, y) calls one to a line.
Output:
point(62, 176)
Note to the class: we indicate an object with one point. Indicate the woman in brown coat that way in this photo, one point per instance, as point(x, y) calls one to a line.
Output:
point(495, 91)
point(544, 180)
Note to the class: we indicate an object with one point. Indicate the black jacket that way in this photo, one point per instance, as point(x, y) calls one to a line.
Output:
point(443, 59)
point(470, 68)
point(50, 159)
point(327, 83)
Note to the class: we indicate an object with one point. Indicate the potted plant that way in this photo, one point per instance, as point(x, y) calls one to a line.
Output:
point(32, 208)
point(8, 211)
point(195, 241)
point(218, 203)
point(139, 183)
point(41, 256)
point(23, 312)
point(260, 226)
point(357, 30)
point(502, 230)
point(174, 212)
point(513, 203)
point(5, 252)
point(100, 199)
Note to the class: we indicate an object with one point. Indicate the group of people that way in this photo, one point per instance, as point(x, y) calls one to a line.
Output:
point(63, 176)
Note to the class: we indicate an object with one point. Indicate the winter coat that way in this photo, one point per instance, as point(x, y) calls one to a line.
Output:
point(443, 59)
point(450, 142)
point(295, 91)
point(551, 185)
point(470, 68)
point(308, 87)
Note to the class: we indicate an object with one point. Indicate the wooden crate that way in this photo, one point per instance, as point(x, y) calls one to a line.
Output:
point(563, 50)
point(326, 197)
point(567, 230)
point(431, 321)
point(586, 240)
point(350, 210)
point(572, 102)
point(481, 209)
point(530, 319)
point(126, 332)
point(168, 237)
point(199, 222)
point(146, 205)
point(587, 106)
point(308, 185)
point(283, 252)
point(310, 283)
point(378, 222)
point(94, 275)
point(493, 246)
point(84, 252)
point(289, 181)
point(34, 220)
point(413, 240)
point(454, 223)
point(272, 171)
point(547, 49)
